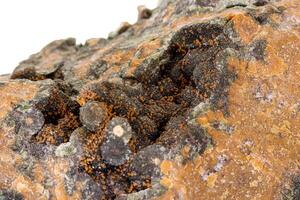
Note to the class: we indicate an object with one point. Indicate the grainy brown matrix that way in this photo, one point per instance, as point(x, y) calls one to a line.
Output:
point(199, 99)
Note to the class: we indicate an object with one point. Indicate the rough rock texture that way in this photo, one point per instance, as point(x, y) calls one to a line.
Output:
point(199, 99)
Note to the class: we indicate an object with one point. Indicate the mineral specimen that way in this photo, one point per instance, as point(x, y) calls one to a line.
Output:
point(93, 115)
point(196, 100)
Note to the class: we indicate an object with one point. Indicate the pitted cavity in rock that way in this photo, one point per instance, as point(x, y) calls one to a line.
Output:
point(133, 124)
point(61, 117)
point(156, 103)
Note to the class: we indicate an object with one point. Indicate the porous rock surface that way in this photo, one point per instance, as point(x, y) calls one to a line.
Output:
point(199, 99)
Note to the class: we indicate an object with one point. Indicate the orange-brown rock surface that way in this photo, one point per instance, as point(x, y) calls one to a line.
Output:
point(199, 99)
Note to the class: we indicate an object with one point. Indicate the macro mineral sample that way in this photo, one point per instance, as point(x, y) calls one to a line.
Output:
point(199, 99)
point(93, 115)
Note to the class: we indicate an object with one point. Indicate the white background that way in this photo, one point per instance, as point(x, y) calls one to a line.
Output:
point(28, 25)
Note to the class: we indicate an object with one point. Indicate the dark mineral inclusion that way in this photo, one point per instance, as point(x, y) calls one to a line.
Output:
point(117, 124)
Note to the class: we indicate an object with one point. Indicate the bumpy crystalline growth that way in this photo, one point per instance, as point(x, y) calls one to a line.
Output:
point(196, 100)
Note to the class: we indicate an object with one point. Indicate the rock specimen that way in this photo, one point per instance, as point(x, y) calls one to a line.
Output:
point(196, 100)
